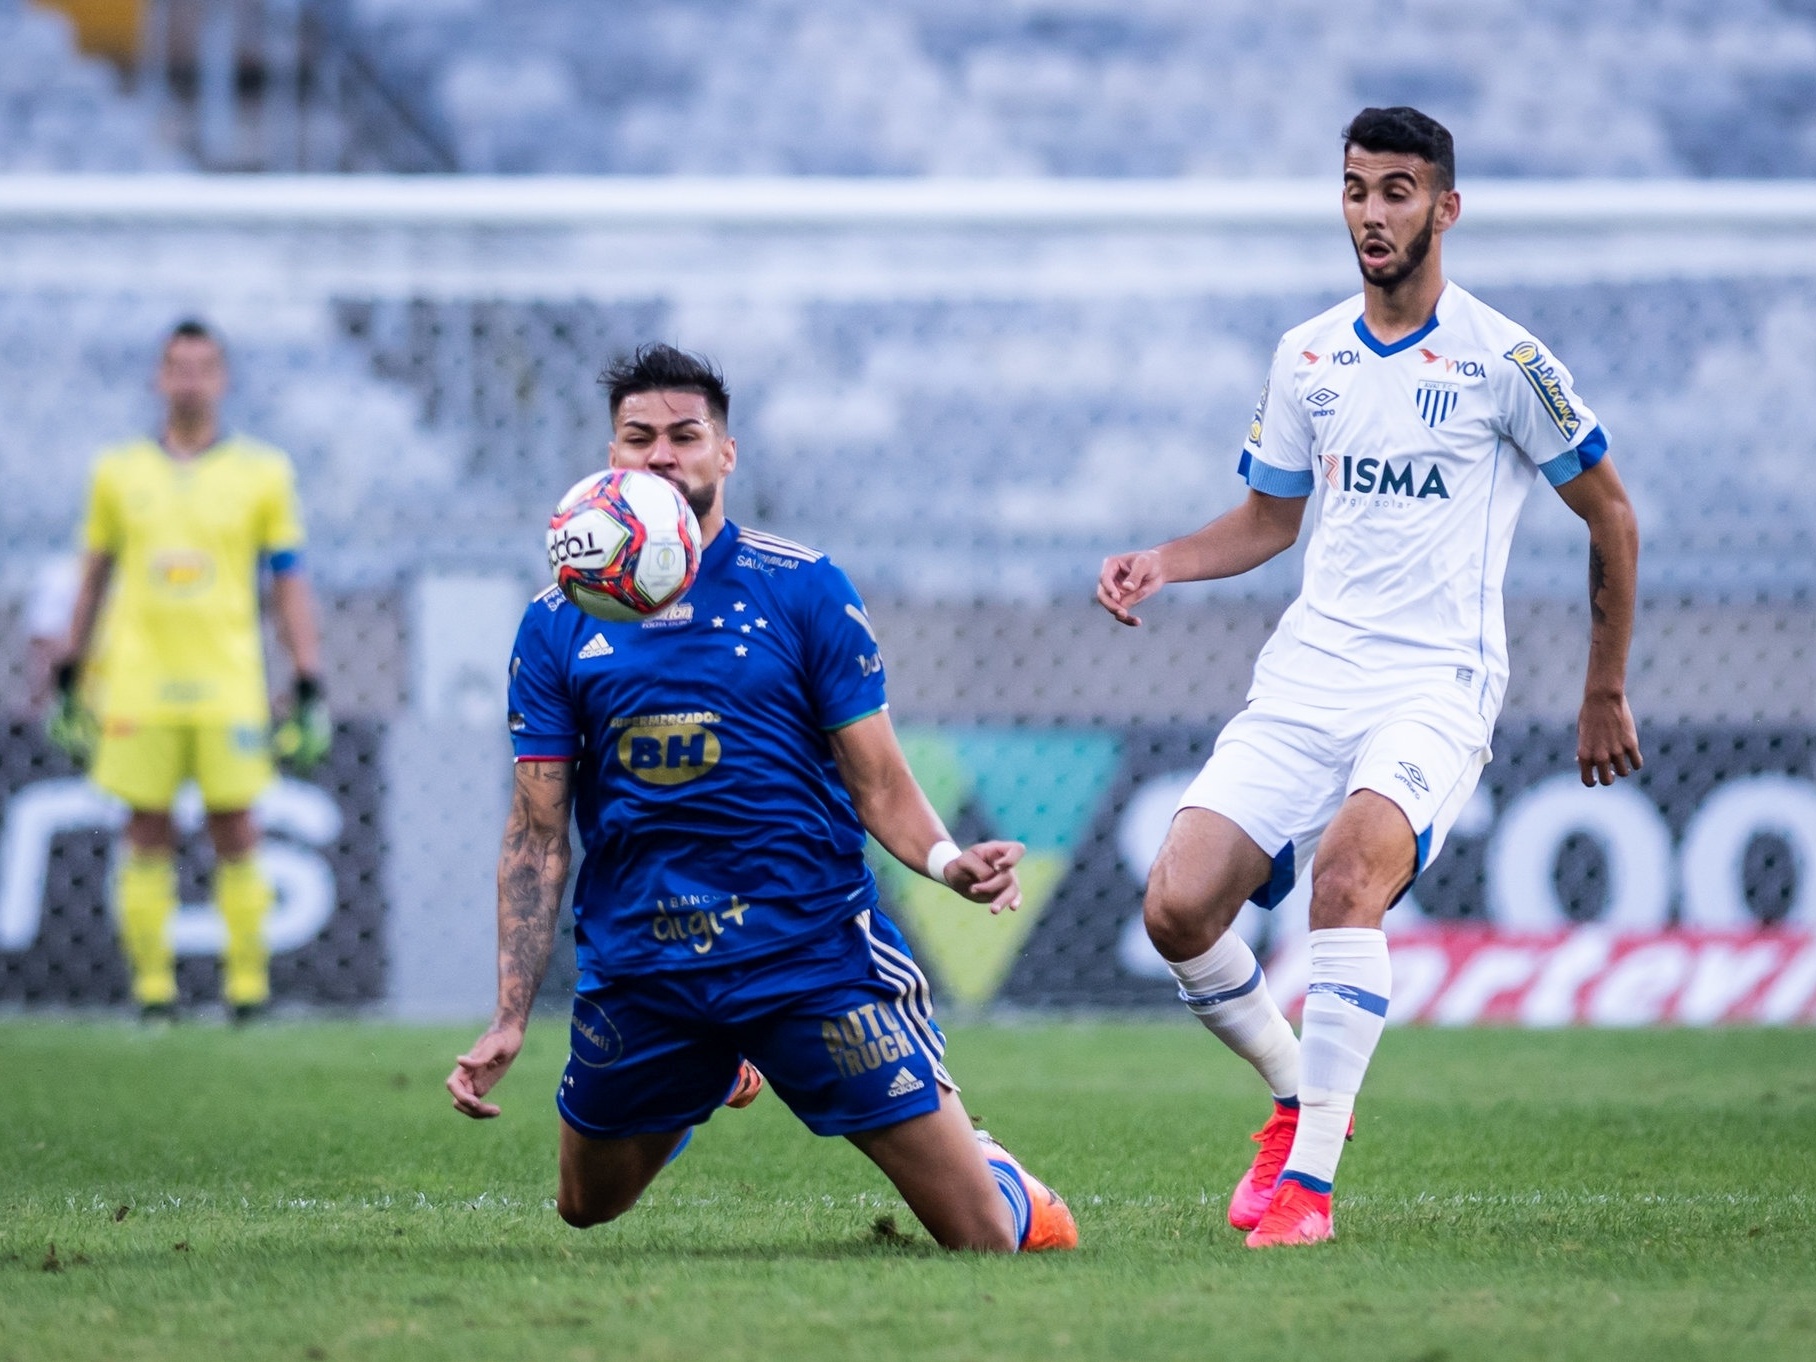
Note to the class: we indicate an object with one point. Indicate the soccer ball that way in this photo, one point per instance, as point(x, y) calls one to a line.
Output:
point(623, 544)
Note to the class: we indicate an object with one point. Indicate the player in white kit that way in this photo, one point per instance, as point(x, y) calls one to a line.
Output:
point(1416, 419)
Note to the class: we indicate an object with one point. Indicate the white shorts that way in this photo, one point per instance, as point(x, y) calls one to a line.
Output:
point(1282, 768)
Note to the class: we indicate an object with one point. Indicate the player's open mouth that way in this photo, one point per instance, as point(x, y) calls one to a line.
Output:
point(1376, 251)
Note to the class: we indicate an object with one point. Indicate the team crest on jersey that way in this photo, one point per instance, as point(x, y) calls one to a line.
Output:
point(1436, 402)
point(1542, 374)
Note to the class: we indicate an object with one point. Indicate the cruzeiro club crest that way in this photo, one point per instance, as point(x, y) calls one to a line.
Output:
point(1436, 402)
point(1039, 788)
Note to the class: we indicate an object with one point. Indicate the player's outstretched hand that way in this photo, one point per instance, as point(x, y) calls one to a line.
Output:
point(70, 725)
point(1127, 580)
point(985, 873)
point(478, 1071)
point(1607, 742)
point(304, 739)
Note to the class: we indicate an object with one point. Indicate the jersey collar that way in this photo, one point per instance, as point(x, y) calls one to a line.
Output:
point(221, 440)
point(1367, 337)
point(720, 551)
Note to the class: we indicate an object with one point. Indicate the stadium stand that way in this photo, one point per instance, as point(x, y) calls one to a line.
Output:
point(62, 111)
point(1096, 87)
point(436, 382)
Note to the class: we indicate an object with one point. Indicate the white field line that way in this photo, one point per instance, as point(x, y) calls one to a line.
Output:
point(501, 1204)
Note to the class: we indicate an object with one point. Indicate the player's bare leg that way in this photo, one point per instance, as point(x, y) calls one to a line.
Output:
point(243, 896)
point(602, 1179)
point(944, 1173)
point(1367, 859)
point(1206, 870)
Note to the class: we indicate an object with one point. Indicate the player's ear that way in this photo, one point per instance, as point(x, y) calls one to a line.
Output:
point(1450, 208)
point(728, 454)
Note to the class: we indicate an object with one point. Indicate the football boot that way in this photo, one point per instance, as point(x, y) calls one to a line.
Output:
point(745, 1090)
point(1050, 1223)
point(1248, 1203)
point(1296, 1215)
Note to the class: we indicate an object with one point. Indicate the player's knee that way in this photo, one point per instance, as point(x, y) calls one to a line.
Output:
point(234, 835)
point(1348, 893)
point(1181, 924)
point(150, 831)
point(585, 1209)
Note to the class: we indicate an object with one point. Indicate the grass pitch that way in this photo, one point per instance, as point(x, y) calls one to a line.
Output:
point(304, 1192)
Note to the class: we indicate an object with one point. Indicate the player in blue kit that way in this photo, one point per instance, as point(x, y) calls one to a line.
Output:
point(724, 759)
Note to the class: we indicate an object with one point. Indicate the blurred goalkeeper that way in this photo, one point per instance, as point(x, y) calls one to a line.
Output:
point(177, 531)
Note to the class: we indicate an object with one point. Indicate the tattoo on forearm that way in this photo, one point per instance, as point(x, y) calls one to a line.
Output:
point(532, 872)
point(1598, 579)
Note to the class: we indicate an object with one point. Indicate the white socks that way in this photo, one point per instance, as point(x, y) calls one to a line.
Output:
point(1345, 1011)
point(1225, 990)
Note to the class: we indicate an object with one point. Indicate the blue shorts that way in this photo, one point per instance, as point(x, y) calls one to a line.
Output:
point(843, 1030)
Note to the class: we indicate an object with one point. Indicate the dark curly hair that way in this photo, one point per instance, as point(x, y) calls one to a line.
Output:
point(1406, 130)
point(663, 368)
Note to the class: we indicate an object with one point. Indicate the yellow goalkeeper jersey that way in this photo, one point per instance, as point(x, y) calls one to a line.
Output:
point(186, 537)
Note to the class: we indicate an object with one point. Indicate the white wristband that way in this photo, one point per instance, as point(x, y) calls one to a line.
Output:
point(942, 855)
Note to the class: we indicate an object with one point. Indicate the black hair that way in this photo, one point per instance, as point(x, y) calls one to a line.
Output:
point(663, 368)
point(194, 328)
point(1406, 130)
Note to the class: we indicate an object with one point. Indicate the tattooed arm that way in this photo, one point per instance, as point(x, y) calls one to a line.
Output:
point(1607, 743)
point(532, 873)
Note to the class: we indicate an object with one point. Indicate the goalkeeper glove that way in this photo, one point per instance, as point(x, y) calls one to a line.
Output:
point(304, 738)
point(70, 726)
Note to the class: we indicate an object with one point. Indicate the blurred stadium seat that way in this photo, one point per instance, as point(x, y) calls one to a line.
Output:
point(60, 110)
point(1101, 87)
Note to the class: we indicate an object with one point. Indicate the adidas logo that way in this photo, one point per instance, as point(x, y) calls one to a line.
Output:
point(904, 1083)
point(596, 646)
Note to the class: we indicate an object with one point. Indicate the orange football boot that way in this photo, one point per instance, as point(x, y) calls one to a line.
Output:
point(1296, 1215)
point(1050, 1223)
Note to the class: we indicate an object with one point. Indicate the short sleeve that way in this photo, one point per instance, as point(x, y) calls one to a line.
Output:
point(844, 664)
point(543, 724)
point(280, 522)
point(103, 530)
point(1543, 415)
point(1277, 456)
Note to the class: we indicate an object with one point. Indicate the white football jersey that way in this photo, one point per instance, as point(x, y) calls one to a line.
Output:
point(1418, 456)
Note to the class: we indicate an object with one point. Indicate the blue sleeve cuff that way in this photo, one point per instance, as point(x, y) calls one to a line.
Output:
point(844, 721)
point(1274, 482)
point(284, 560)
point(1571, 462)
point(534, 747)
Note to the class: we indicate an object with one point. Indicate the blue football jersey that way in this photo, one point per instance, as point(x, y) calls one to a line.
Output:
point(714, 821)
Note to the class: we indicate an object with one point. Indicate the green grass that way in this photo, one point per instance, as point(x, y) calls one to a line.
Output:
point(304, 1192)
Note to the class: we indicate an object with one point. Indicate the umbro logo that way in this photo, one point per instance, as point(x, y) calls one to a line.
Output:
point(904, 1083)
point(596, 646)
point(1322, 398)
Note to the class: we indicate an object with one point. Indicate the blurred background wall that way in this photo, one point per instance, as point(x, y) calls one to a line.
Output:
point(994, 287)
